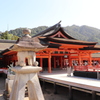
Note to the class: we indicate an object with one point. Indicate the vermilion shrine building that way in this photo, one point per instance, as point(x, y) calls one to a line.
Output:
point(61, 48)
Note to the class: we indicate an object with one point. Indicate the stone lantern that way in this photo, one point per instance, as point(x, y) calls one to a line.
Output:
point(26, 74)
point(26, 48)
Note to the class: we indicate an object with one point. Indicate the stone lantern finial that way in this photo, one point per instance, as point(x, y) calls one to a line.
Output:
point(26, 31)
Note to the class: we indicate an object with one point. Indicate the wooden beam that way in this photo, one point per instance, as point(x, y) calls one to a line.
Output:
point(42, 56)
point(10, 52)
point(44, 86)
point(59, 34)
point(55, 88)
point(70, 93)
point(93, 95)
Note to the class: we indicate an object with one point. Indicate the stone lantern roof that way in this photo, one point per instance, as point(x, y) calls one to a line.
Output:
point(27, 43)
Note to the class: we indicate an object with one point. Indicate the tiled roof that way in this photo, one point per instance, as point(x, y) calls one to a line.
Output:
point(68, 41)
point(4, 44)
point(52, 30)
point(7, 41)
point(49, 30)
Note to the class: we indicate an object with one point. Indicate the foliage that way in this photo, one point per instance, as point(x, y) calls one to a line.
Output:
point(18, 31)
point(8, 36)
point(15, 34)
point(84, 32)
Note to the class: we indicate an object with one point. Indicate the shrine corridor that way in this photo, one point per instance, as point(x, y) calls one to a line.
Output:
point(57, 86)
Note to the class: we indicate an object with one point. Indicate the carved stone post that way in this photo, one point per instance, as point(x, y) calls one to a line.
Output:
point(27, 75)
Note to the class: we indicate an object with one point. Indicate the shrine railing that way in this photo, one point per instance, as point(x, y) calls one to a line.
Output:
point(87, 68)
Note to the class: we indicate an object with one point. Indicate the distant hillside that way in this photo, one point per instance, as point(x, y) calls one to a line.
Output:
point(85, 33)
point(18, 31)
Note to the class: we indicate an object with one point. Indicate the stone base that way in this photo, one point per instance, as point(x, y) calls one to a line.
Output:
point(26, 76)
point(26, 69)
point(6, 94)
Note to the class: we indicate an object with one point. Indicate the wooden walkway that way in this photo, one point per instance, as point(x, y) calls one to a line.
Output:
point(59, 77)
point(83, 84)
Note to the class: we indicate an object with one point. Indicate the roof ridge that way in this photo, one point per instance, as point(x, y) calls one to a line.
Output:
point(58, 25)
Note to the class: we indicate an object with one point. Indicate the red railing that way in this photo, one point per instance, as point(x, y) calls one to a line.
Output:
point(87, 68)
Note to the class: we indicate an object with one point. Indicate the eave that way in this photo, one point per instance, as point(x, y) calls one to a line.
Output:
point(69, 41)
point(96, 47)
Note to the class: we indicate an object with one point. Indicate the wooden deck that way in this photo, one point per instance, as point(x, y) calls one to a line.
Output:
point(59, 77)
point(83, 84)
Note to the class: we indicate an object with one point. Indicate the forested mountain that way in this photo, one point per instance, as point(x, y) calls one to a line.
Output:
point(18, 31)
point(15, 34)
point(79, 32)
point(84, 33)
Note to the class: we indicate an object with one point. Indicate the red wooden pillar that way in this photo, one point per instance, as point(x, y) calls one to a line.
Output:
point(90, 59)
point(70, 61)
point(61, 62)
point(49, 63)
point(54, 62)
point(40, 62)
point(79, 55)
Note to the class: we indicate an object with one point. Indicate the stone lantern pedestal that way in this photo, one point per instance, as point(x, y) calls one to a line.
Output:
point(26, 76)
point(26, 48)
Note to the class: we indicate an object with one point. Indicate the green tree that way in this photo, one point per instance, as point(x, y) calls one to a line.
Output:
point(8, 36)
point(14, 37)
point(4, 35)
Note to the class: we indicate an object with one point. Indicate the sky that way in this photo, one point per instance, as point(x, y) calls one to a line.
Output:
point(33, 13)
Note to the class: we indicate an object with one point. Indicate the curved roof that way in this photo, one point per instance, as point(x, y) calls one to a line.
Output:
point(52, 30)
point(53, 37)
point(67, 41)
